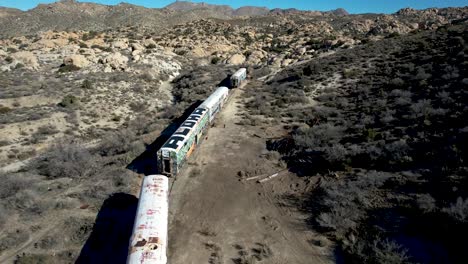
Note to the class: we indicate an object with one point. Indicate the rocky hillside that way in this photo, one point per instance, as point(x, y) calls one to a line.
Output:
point(222, 9)
point(382, 128)
point(71, 15)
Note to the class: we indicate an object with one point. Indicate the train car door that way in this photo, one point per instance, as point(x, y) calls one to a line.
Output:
point(167, 166)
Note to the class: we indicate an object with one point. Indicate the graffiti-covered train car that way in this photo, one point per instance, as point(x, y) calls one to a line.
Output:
point(181, 144)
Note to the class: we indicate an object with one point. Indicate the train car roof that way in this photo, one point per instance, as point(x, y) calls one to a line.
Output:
point(239, 72)
point(214, 97)
point(186, 137)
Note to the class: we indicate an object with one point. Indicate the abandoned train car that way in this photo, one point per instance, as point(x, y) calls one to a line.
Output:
point(238, 77)
point(182, 143)
point(215, 101)
point(148, 243)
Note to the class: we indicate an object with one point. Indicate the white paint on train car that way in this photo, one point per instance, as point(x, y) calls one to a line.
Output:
point(148, 244)
point(215, 101)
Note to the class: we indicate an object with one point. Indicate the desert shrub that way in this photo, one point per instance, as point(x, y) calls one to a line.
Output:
point(195, 172)
point(47, 130)
point(261, 251)
point(458, 210)
point(273, 155)
point(9, 59)
point(42, 132)
point(68, 68)
point(340, 219)
point(69, 101)
point(67, 159)
point(215, 60)
point(147, 77)
point(89, 35)
point(389, 252)
point(426, 203)
point(94, 46)
point(317, 136)
point(87, 84)
point(13, 238)
point(151, 46)
point(4, 109)
point(138, 106)
point(181, 52)
point(118, 142)
point(82, 45)
point(350, 73)
point(13, 183)
point(379, 251)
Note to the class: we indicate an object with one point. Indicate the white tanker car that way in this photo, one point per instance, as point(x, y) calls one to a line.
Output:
point(148, 243)
point(181, 144)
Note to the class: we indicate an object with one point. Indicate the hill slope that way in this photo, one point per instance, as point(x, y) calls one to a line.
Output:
point(384, 126)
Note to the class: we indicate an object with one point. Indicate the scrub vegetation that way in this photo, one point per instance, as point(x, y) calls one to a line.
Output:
point(386, 131)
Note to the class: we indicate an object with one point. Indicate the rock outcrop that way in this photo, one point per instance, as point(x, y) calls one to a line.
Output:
point(76, 60)
point(236, 59)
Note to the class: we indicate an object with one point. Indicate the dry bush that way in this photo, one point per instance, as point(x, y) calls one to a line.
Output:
point(426, 203)
point(458, 210)
point(261, 251)
point(118, 142)
point(67, 159)
point(13, 183)
point(389, 252)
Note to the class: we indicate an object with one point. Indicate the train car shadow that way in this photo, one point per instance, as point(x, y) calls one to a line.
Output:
point(145, 163)
point(109, 239)
point(226, 82)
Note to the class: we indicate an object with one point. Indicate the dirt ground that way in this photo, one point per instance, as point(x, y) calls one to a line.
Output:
point(217, 217)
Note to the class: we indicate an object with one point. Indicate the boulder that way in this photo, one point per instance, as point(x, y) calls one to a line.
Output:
point(27, 58)
point(120, 44)
point(116, 61)
point(136, 46)
point(76, 60)
point(301, 50)
point(136, 52)
point(286, 62)
point(236, 59)
point(255, 58)
point(148, 42)
point(198, 52)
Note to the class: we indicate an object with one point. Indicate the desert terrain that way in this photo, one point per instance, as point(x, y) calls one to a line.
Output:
point(363, 117)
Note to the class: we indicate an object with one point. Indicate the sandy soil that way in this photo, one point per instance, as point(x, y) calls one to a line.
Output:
point(215, 217)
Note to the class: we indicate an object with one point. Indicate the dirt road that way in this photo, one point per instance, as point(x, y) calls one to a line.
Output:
point(217, 218)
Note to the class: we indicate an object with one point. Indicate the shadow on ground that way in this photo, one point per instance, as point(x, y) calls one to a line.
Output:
point(146, 163)
point(226, 82)
point(109, 240)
